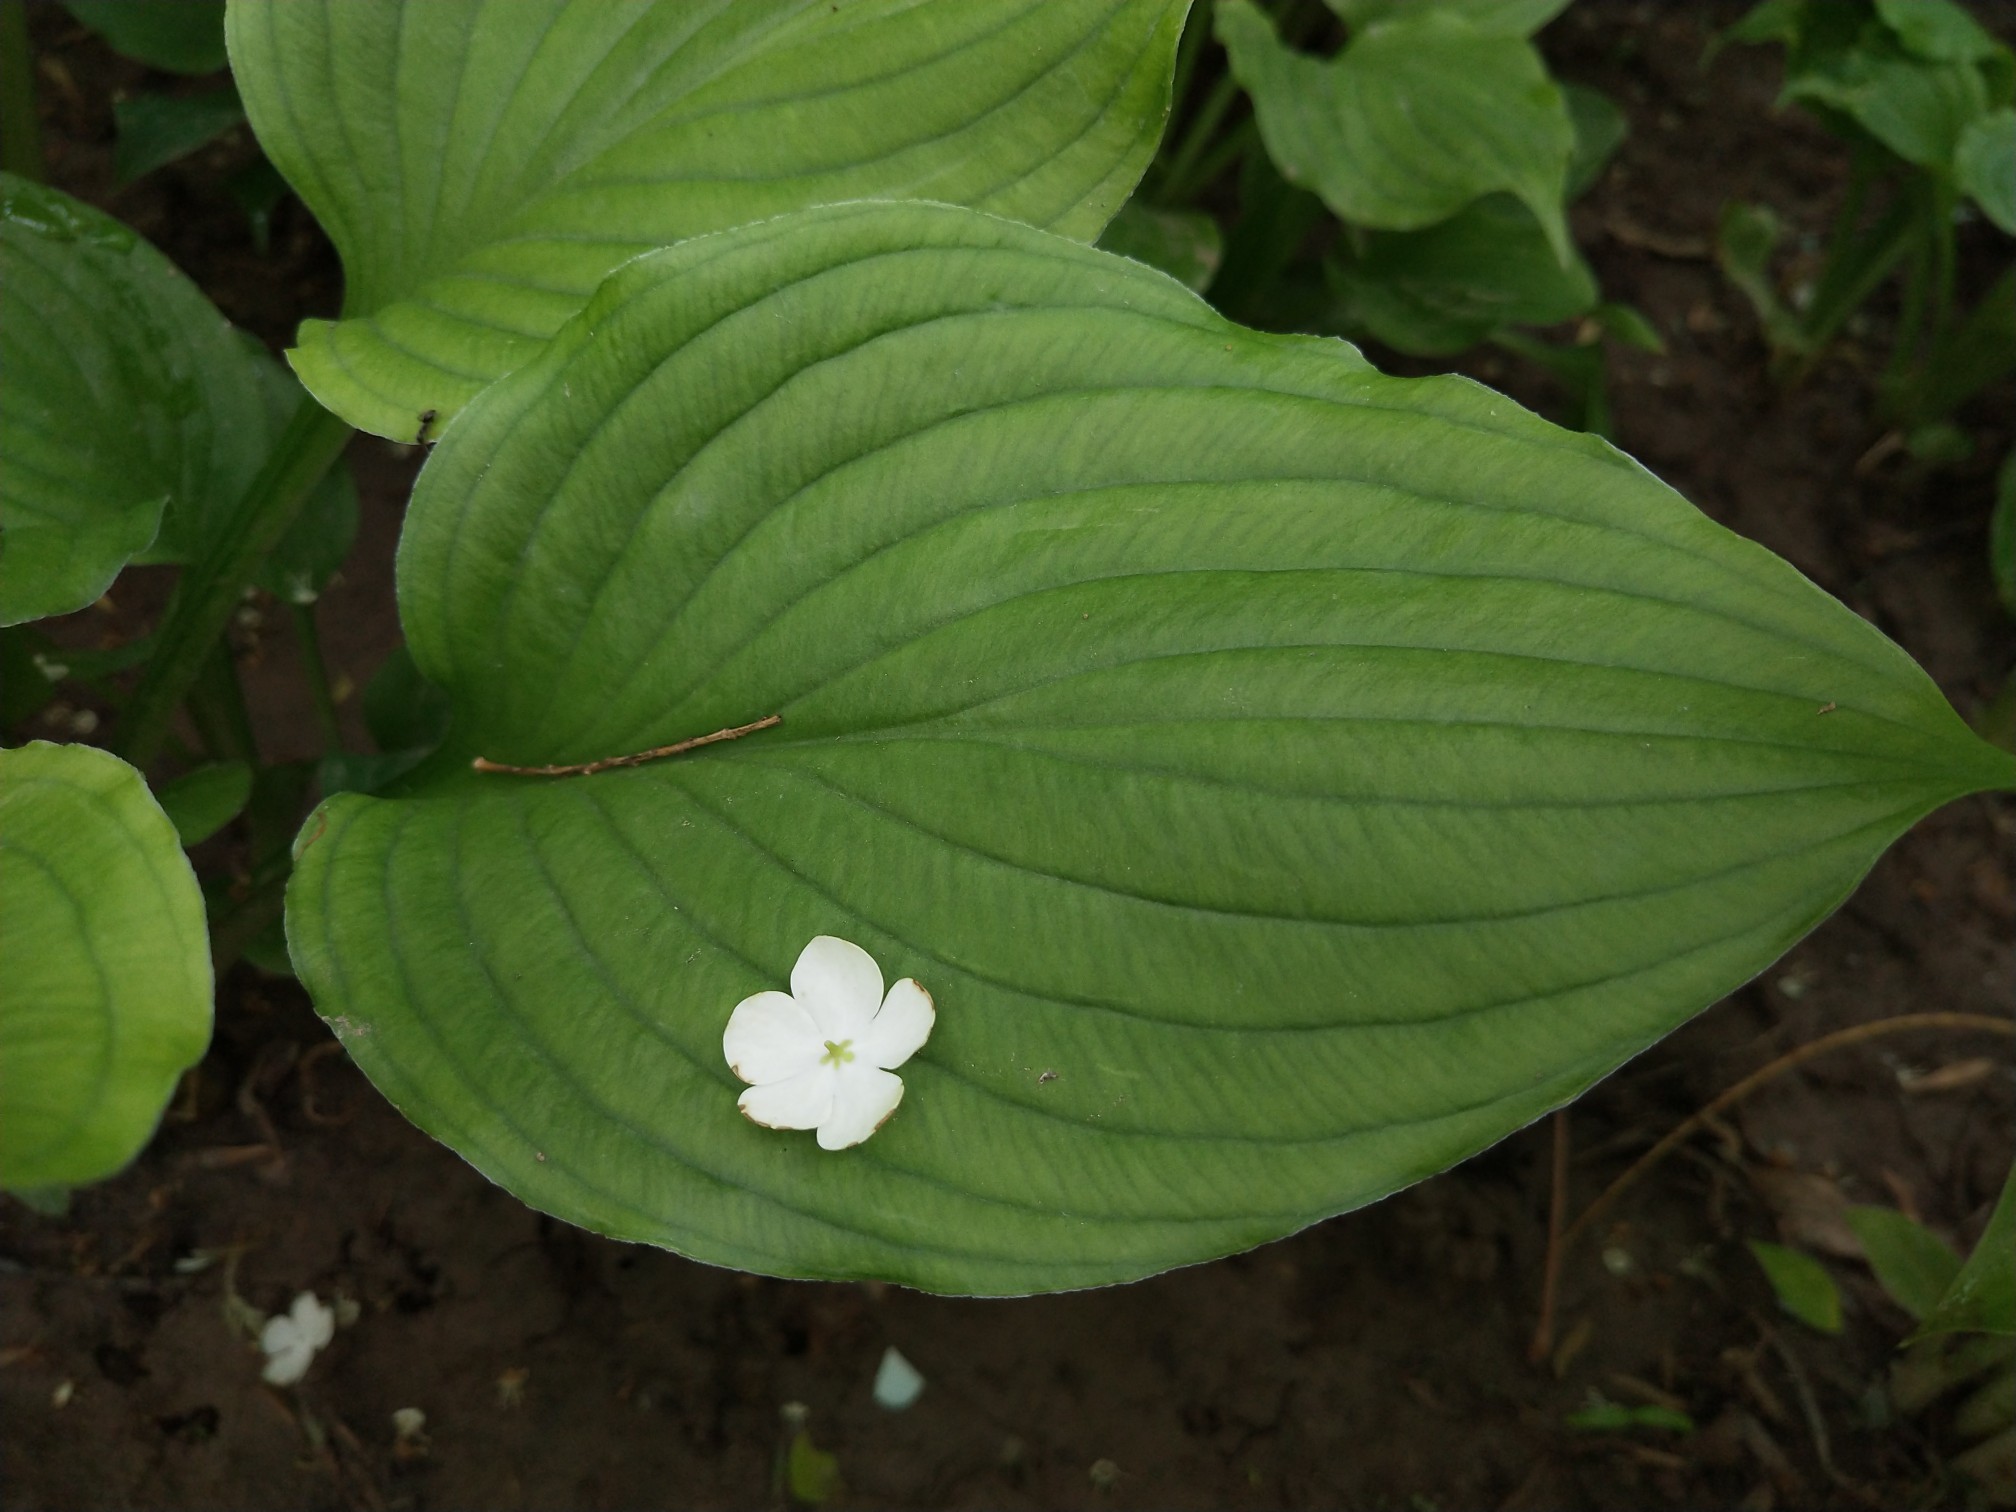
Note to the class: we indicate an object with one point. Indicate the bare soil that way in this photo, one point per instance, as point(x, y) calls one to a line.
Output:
point(1378, 1360)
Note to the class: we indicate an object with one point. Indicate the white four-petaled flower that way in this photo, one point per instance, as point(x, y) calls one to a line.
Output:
point(821, 1056)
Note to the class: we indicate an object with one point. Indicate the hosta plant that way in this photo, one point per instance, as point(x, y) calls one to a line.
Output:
point(1264, 781)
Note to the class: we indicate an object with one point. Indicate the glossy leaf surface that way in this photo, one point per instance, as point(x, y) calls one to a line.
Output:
point(481, 166)
point(1418, 116)
point(1285, 779)
point(106, 997)
point(132, 414)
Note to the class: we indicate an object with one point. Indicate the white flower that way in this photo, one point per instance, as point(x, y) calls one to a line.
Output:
point(820, 1056)
point(290, 1339)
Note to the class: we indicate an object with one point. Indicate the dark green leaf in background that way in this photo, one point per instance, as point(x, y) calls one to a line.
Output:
point(480, 166)
point(105, 999)
point(155, 129)
point(1985, 166)
point(1940, 30)
point(1982, 1298)
point(182, 36)
point(201, 802)
point(1913, 1264)
point(1185, 244)
point(1506, 18)
point(2002, 534)
point(132, 414)
point(1445, 289)
point(1286, 779)
point(1417, 117)
point(1801, 1284)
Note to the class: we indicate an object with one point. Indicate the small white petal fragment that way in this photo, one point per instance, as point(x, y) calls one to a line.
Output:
point(290, 1339)
point(898, 1383)
point(821, 1056)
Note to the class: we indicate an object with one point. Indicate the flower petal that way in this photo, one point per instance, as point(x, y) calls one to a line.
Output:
point(900, 1029)
point(770, 1038)
point(839, 984)
point(802, 1102)
point(865, 1098)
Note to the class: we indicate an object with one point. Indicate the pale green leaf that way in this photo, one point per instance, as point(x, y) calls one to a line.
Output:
point(480, 166)
point(1913, 1264)
point(105, 999)
point(1185, 244)
point(1982, 1298)
point(201, 802)
point(1985, 166)
point(124, 394)
point(1801, 1284)
point(182, 36)
point(1286, 780)
point(1413, 120)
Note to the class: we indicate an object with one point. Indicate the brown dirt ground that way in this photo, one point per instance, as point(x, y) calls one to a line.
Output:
point(1377, 1360)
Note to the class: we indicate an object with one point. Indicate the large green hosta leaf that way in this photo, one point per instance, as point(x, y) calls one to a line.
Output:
point(105, 999)
point(132, 414)
point(1287, 779)
point(481, 166)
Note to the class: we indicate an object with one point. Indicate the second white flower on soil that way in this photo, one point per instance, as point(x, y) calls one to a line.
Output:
point(822, 1056)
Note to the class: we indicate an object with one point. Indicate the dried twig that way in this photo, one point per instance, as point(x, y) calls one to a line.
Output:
point(1840, 1039)
point(1979, 1022)
point(610, 763)
point(1557, 1211)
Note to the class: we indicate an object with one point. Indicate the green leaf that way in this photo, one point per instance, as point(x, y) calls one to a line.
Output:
point(2002, 534)
point(1630, 325)
point(1745, 240)
point(1185, 244)
point(1982, 1298)
point(155, 129)
point(1498, 18)
point(1600, 129)
point(1801, 1284)
point(402, 710)
point(1917, 109)
point(1416, 118)
point(132, 414)
point(182, 36)
point(202, 802)
point(1984, 166)
point(1447, 288)
point(1913, 1264)
point(1770, 21)
point(1605, 1416)
point(810, 1473)
point(1939, 30)
point(106, 997)
point(1286, 779)
point(480, 169)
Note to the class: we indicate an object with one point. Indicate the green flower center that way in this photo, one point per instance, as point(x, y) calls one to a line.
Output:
point(837, 1054)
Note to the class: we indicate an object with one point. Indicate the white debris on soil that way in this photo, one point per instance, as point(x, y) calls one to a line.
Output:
point(898, 1383)
point(290, 1339)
